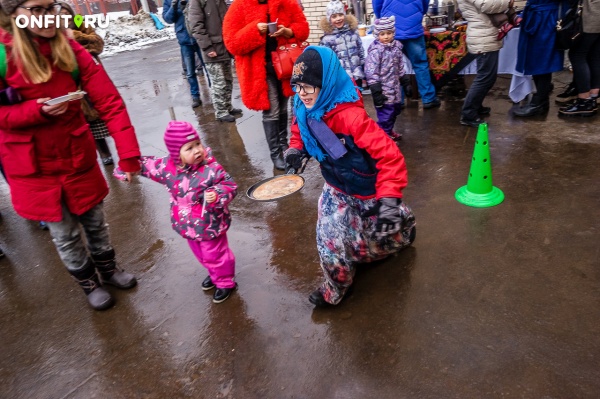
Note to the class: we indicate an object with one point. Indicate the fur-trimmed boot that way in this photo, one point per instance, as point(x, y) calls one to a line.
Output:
point(109, 272)
point(272, 135)
point(98, 298)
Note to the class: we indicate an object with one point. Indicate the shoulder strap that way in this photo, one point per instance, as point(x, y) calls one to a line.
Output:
point(2, 61)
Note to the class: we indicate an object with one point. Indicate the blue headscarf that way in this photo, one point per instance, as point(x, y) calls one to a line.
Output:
point(337, 88)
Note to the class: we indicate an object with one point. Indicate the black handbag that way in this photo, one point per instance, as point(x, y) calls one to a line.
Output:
point(569, 28)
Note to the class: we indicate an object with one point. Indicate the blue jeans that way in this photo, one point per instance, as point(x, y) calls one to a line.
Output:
point(188, 54)
point(415, 51)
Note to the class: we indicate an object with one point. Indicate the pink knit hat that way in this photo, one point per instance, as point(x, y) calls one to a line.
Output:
point(177, 134)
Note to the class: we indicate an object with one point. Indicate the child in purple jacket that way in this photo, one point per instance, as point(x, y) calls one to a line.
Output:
point(200, 191)
point(384, 67)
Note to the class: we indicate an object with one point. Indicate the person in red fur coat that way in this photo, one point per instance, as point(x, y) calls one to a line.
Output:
point(246, 37)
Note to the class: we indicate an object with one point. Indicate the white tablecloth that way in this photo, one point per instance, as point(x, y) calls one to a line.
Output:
point(520, 85)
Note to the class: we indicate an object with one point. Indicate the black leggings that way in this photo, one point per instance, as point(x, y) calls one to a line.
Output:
point(543, 83)
point(585, 58)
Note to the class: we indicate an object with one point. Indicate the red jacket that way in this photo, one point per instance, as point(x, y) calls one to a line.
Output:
point(248, 45)
point(351, 119)
point(52, 159)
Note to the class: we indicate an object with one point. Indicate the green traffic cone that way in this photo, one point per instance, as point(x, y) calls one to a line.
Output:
point(479, 191)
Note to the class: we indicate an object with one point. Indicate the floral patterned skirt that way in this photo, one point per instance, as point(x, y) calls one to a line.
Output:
point(345, 238)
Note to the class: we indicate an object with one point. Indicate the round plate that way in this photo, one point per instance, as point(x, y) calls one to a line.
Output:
point(437, 30)
point(275, 188)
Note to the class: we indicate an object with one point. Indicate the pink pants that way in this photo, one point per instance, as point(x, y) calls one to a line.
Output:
point(217, 258)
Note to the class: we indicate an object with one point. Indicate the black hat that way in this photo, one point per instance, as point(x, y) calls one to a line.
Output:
point(308, 69)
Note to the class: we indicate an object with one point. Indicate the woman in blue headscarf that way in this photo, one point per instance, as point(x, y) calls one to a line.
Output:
point(361, 214)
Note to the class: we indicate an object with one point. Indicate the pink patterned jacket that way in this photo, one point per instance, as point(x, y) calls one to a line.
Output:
point(190, 216)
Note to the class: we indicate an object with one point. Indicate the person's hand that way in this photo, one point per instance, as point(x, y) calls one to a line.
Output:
point(129, 176)
point(389, 219)
point(210, 197)
point(379, 98)
point(262, 27)
point(283, 31)
point(53, 110)
point(212, 54)
point(293, 160)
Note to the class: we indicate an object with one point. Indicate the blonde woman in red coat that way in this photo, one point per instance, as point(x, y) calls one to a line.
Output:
point(246, 37)
point(48, 151)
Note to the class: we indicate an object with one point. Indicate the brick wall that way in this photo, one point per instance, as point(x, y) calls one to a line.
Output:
point(314, 11)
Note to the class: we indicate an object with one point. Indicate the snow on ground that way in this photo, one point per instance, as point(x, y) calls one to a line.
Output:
point(131, 32)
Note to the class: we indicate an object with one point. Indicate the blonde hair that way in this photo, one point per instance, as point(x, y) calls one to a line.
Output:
point(33, 65)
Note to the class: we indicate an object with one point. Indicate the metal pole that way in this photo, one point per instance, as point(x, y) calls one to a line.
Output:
point(145, 6)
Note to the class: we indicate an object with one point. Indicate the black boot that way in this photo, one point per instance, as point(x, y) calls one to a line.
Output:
point(283, 132)
point(581, 107)
point(107, 267)
point(98, 298)
point(102, 147)
point(272, 135)
point(533, 108)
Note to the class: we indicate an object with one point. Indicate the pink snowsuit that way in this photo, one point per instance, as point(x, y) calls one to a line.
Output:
point(204, 225)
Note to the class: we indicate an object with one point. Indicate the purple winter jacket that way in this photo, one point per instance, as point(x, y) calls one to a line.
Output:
point(190, 216)
point(385, 65)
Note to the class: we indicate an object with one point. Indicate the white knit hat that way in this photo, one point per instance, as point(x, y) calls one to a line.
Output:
point(335, 7)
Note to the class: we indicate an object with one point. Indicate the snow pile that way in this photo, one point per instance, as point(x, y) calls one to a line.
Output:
point(130, 32)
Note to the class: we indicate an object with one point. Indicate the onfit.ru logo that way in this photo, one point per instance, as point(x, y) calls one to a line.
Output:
point(47, 21)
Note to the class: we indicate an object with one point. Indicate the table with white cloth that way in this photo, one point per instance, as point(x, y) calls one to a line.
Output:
point(520, 86)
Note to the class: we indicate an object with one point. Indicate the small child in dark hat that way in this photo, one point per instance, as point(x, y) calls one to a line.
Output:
point(200, 193)
point(384, 68)
point(362, 217)
point(342, 37)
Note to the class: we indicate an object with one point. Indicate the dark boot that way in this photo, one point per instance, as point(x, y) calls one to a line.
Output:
point(107, 267)
point(533, 108)
point(283, 132)
point(98, 298)
point(272, 135)
point(102, 147)
point(581, 107)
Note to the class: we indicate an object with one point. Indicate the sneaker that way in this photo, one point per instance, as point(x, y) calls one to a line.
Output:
point(582, 107)
point(221, 294)
point(207, 284)
point(226, 118)
point(484, 110)
point(235, 111)
point(568, 95)
point(471, 122)
point(433, 104)
point(196, 102)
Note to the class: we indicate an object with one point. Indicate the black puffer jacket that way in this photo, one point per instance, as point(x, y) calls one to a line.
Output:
point(205, 19)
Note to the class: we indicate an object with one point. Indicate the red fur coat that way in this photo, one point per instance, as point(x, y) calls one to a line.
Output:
point(248, 45)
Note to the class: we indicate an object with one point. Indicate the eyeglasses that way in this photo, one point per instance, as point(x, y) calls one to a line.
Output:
point(38, 11)
point(307, 89)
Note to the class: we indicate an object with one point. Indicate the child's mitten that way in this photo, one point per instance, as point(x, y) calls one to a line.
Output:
point(389, 219)
point(378, 97)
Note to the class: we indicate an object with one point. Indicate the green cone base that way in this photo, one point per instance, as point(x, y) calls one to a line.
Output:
point(468, 198)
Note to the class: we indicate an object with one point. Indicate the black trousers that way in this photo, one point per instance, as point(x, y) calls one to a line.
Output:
point(487, 72)
point(585, 58)
point(543, 83)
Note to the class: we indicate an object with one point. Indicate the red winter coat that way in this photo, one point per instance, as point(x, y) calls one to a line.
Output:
point(351, 119)
point(248, 45)
point(52, 159)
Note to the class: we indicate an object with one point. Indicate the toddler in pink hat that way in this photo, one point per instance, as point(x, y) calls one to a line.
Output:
point(201, 191)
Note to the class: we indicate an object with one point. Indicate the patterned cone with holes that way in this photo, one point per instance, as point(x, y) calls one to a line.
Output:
point(479, 191)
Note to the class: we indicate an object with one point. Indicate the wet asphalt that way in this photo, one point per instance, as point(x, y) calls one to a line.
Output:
point(498, 302)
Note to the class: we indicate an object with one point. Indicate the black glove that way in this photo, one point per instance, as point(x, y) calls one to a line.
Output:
point(377, 92)
point(293, 160)
point(389, 220)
